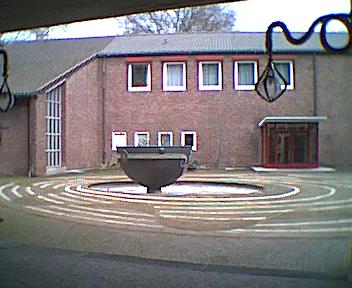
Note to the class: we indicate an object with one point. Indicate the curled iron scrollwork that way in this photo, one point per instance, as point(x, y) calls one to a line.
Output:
point(271, 84)
point(7, 100)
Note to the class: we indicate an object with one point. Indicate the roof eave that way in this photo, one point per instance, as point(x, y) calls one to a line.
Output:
point(291, 119)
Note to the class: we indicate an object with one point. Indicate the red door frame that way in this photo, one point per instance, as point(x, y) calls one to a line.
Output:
point(293, 130)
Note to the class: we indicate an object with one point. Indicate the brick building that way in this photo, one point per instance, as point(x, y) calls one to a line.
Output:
point(77, 99)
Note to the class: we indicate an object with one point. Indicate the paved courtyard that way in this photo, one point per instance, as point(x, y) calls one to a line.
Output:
point(300, 222)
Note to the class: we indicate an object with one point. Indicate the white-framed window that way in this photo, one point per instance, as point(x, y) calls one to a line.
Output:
point(139, 77)
point(118, 139)
point(53, 131)
point(174, 76)
point(165, 139)
point(141, 139)
point(286, 70)
point(189, 138)
point(210, 75)
point(245, 75)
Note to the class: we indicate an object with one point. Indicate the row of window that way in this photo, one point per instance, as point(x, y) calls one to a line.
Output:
point(188, 138)
point(209, 75)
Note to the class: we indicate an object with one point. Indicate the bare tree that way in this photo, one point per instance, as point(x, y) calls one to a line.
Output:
point(209, 18)
point(41, 33)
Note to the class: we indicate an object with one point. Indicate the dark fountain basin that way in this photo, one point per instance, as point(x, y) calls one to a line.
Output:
point(153, 166)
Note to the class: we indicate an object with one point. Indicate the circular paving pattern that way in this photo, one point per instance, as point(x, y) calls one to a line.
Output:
point(245, 204)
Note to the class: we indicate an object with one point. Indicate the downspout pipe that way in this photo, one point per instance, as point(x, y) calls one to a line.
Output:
point(315, 87)
point(29, 140)
point(103, 83)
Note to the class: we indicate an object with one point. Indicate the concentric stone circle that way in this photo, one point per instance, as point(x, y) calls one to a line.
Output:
point(270, 205)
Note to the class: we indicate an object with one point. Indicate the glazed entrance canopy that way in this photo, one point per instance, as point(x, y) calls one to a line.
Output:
point(19, 14)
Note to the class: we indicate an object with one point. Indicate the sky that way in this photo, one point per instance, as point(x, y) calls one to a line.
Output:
point(251, 15)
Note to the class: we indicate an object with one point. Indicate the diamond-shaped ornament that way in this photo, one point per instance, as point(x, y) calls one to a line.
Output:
point(7, 100)
point(271, 84)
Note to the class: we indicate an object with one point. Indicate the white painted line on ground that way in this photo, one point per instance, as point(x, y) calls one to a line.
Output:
point(145, 198)
point(215, 209)
point(185, 212)
point(214, 218)
point(128, 213)
point(175, 212)
point(68, 199)
point(307, 223)
point(2, 188)
point(109, 216)
point(46, 185)
point(75, 195)
point(334, 207)
point(39, 183)
point(50, 200)
point(303, 230)
point(108, 221)
point(44, 210)
point(225, 205)
point(30, 191)
point(57, 186)
point(91, 196)
point(15, 192)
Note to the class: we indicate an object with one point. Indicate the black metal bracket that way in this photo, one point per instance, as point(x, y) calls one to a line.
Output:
point(7, 100)
point(271, 84)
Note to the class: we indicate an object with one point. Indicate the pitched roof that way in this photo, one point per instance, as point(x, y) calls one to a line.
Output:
point(36, 63)
point(232, 43)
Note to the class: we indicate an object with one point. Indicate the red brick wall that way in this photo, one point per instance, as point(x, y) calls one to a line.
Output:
point(14, 139)
point(40, 129)
point(225, 121)
point(334, 97)
point(83, 126)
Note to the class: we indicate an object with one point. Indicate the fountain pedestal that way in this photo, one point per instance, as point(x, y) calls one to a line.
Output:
point(154, 167)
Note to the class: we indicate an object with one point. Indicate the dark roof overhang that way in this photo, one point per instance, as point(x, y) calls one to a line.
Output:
point(39, 13)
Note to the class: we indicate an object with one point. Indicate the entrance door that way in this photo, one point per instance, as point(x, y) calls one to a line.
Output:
point(283, 148)
point(290, 145)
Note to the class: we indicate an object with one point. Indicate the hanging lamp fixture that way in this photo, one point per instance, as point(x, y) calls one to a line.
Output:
point(7, 100)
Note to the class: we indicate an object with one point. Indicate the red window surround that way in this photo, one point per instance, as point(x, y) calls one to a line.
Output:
point(138, 59)
point(176, 58)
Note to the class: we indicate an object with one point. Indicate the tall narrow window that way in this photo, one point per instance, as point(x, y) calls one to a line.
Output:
point(286, 70)
point(141, 139)
point(245, 75)
point(165, 139)
point(139, 77)
point(54, 127)
point(189, 138)
point(174, 76)
point(210, 75)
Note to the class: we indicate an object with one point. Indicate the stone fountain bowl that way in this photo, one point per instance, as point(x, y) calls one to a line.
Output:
point(153, 166)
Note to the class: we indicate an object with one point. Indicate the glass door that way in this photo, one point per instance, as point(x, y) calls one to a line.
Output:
point(283, 148)
point(290, 145)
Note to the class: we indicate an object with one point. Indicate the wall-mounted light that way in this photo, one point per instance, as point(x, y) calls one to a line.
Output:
point(7, 100)
point(271, 84)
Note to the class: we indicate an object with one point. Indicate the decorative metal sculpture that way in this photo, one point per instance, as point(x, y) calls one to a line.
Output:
point(152, 166)
point(7, 100)
point(271, 84)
